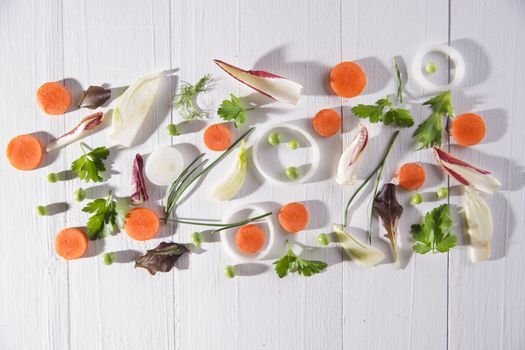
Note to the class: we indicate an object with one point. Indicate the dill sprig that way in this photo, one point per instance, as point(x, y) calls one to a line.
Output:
point(184, 100)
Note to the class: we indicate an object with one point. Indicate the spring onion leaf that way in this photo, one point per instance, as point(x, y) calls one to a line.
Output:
point(399, 82)
point(89, 166)
point(290, 263)
point(433, 234)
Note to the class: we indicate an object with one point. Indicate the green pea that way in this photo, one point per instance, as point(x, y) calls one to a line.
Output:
point(108, 258)
point(292, 173)
point(323, 239)
point(196, 238)
point(173, 130)
point(431, 68)
point(416, 199)
point(41, 210)
point(273, 139)
point(293, 144)
point(52, 178)
point(229, 271)
point(79, 195)
point(442, 193)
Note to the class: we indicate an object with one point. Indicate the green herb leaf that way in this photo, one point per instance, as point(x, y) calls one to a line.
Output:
point(398, 117)
point(232, 110)
point(89, 166)
point(428, 133)
point(376, 113)
point(290, 263)
point(183, 101)
point(433, 234)
point(105, 219)
point(399, 82)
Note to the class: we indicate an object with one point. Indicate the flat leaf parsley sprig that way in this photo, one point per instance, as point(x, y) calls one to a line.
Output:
point(290, 263)
point(106, 217)
point(382, 111)
point(433, 234)
point(89, 166)
point(233, 110)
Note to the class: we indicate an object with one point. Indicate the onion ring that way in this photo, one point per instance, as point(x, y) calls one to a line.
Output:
point(453, 54)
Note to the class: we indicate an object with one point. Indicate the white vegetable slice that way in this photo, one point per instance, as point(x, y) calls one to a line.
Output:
point(453, 54)
point(268, 84)
point(349, 161)
point(358, 251)
point(163, 166)
point(227, 189)
point(132, 109)
point(480, 226)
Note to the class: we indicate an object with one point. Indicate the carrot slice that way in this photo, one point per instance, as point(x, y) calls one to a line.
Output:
point(293, 217)
point(217, 137)
point(53, 98)
point(141, 224)
point(411, 176)
point(71, 243)
point(25, 152)
point(347, 79)
point(326, 122)
point(249, 238)
point(468, 129)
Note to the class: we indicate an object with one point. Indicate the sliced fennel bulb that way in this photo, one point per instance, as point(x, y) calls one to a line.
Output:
point(132, 109)
point(233, 182)
point(479, 225)
point(358, 251)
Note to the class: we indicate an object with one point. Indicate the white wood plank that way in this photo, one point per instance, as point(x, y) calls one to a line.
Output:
point(383, 299)
point(486, 299)
point(117, 306)
point(33, 282)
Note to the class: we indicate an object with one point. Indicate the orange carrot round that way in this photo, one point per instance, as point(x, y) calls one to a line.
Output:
point(71, 243)
point(326, 122)
point(249, 238)
point(293, 217)
point(217, 137)
point(141, 224)
point(347, 79)
point(410, 176)
point(468, 129)
point(53, 98)
point(25, 152)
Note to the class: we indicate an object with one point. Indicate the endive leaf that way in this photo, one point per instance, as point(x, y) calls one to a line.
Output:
point(479, 224)
point(358, 251)
point(349, 161)
point(233, 182)
point(466, 174)
point(268, 84)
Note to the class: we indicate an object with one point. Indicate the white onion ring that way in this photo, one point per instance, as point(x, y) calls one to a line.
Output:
point(453, 54)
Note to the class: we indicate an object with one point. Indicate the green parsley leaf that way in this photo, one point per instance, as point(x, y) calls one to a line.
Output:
point(184, 100)
point(433, 234)
point(233, 110)
point(89, 166)
point(290, 263)
point(106, 218)
point(376, 113)
point(428, 133)
point(399, 82)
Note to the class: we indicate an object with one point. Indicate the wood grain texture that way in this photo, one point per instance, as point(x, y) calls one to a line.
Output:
point(435, 302)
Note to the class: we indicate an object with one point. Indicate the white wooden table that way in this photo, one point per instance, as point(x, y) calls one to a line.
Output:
point(435, 302)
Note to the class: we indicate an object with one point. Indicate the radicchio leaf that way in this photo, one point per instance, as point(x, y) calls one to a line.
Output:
point(139, 193)
point(349, 161)
point(465, 173)
point(94, 97)
point(389, 210)
point(162, 258)
point(88, 123)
